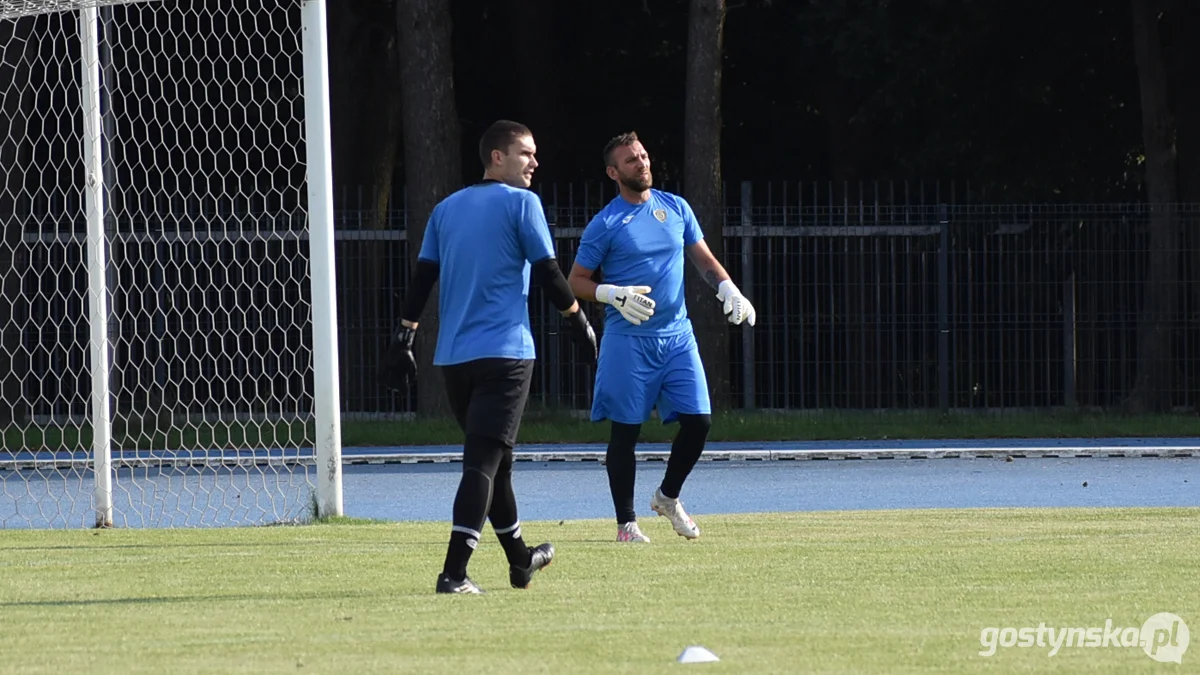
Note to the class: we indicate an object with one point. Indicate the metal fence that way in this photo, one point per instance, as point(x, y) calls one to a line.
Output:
point(875, 296)
point(885, 296)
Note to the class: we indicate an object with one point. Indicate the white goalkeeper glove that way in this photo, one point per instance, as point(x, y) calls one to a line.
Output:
point(736, 307)
point(631, 301)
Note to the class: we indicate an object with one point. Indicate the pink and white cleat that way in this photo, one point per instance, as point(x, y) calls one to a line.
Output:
point(630, 532)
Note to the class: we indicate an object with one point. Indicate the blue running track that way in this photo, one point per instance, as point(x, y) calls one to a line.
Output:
point(561, 482)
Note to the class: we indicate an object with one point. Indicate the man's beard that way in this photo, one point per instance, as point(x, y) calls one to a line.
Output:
point(637, 183)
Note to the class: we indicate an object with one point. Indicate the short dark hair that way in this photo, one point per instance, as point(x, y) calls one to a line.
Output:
point(627, 138)
point(499, 136)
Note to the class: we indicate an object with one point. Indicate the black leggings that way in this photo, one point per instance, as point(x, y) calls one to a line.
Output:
point(622, 466)
point(485, 492)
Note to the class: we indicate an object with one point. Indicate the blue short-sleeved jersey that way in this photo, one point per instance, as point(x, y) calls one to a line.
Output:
point(484, 238)
point(643, 245)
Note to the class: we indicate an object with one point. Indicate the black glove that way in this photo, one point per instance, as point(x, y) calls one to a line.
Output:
point(399, 364)
point(583, 335)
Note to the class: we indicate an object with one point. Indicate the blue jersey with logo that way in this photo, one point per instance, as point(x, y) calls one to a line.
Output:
point(643, 245)
point(484, 239)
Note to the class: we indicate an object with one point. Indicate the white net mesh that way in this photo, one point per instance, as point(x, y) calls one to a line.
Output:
point(10, 9)
point(209, 326)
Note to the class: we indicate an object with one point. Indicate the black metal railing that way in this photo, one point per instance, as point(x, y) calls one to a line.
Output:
point(890, 296)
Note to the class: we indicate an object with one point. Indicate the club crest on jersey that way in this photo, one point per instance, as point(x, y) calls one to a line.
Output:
point(661, 214)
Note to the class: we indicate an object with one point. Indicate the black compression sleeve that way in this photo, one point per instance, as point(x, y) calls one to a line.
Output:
point(419, 289)
point(549, 277)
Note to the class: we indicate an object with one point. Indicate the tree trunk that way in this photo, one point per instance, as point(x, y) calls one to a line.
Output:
point(1184, 19)
point(1185, 61)
point(14, 157)
point(1152, 388)
point(702, 184)
point(365, 121)
point(432, 156)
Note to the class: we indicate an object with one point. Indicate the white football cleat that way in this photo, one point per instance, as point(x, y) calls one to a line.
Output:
point(630, 532)
point(673, 509)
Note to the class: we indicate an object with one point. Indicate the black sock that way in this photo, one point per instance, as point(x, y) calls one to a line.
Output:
point(472, 503)
point(622, 469)
point(458, 553)
point(504, 514)
point(685, 452)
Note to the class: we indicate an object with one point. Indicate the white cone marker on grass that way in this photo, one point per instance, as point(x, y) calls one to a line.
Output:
point(697, 654)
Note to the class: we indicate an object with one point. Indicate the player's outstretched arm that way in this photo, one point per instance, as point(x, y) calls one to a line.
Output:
point(399, 364)
point(548, 275)
point(736, 306)
point(633, 302)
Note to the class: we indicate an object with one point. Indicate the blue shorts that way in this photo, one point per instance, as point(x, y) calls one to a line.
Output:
point(636, 374)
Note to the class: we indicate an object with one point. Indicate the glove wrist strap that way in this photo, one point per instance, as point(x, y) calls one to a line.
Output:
point(578, 320)
point(604, 293)
point(405, 335)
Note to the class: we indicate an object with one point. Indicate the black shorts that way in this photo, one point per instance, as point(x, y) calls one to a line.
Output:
point(488, 396)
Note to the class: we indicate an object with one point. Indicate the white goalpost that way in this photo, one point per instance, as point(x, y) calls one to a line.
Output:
point(168, 344)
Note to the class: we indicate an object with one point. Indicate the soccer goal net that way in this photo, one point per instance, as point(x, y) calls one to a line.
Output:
point(167, 355)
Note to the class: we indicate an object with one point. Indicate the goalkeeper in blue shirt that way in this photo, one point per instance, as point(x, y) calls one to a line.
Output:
point(648, 354)
point(482, 245)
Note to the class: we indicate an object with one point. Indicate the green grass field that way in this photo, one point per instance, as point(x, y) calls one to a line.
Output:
point(827, 592)
point(549, 427)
